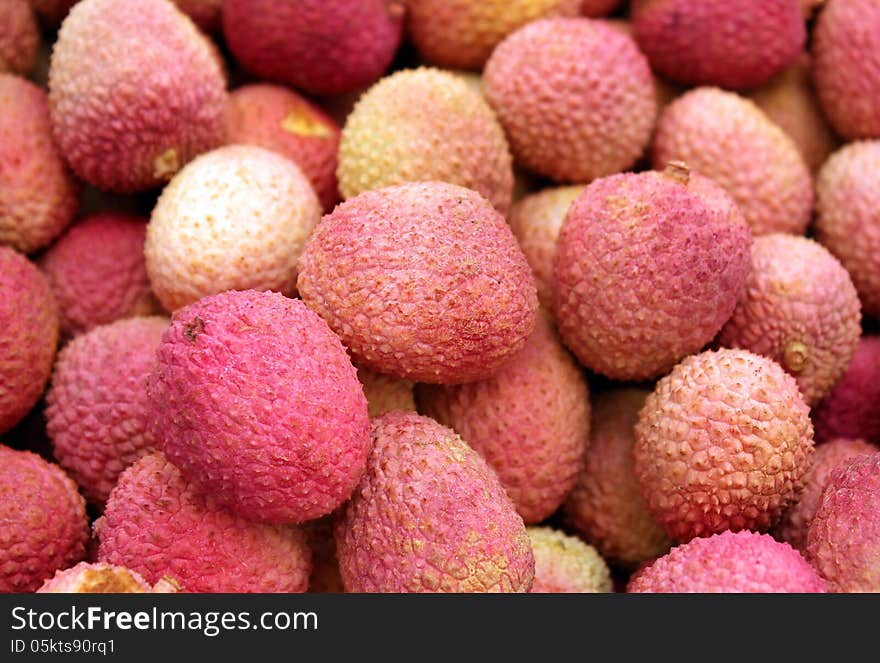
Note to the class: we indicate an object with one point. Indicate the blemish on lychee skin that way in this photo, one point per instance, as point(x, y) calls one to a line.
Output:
point(192, 329)
point(166, 164)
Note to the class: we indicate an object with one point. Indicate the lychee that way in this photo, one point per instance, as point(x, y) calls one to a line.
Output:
point(565, 564)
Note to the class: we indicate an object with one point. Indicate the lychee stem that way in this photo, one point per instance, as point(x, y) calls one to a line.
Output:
point(795, 356)
point(679, 171)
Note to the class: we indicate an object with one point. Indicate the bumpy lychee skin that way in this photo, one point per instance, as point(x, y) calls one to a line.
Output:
point(565, 564)
point(647, 271)
point(320, 46)
point(728, 139)
point(800, 309)
point(438, 292)
point(43, 524)
point(235, 218)
point(385, 393)
point(850, 409)
point(790, 101)
point(843, 542)
point(847, 223)
point(102, 578)
point(98, 273)
point(28, 336)
point(605, 505)
point(461, 34)
point(796, 521)
point(255, 400)
point(730, 562)
point(38, 194)
point(157, 524)
point(723, 442)
point(575, 97)
point(430, 516)
point(420, 125)
point(530, 421)
point(279, 119)
point(19, 37)
point(96, 414)
point(731, 43)
point(536, 221)
point(597, 8)
point(136, 91)
point(846, 55)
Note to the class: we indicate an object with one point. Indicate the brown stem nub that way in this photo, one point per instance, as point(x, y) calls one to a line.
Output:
point(679, 171)
point(795, 356)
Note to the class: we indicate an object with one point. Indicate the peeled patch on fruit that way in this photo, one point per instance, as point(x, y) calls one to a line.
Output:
point(846, 56)
point(101, 578)
point(235, 218)
point(255, 400)
point(324, 47)
point(847, 223)
point(730, 562)
point(536, 221)
point(843, 542)
point(530, 421)
point(38, 194)
point(727, 138)
point(19, 37)
point(850, 410)
point(828, 457)
point(156, 524)
point(542, 81)
point(98, 273)
point(136, 92)
point(28, 336)
point(723, 442)
point(732, 43)
point(386, 393)
point(800, 309)
point(422, 281)
point(565, 564)
point(605, 505)
point(420, 125)
point(44, 520)
point(96, 414)
point(278, 119)
point(648, 269)
point(462, 33)
point(430, 516)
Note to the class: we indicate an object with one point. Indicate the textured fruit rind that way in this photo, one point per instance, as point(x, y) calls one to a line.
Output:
point(731, 43)
point(796, 521)
point(575, 97)
point(386, 393)
point(647, 271)
point(423, 281)
point(136, 91)
point(850, 410)
point(96, 408)
point(420, 125)
point(565, 564)
point(530, 421)
point(97, 578)
point(430, 516)
point(98, 273)
point(605, 505)
point(461, 34)
point(255, 400)
point(727, 138)
point(38, 194)
point(28, 336)
point(43, 524)
point(800, 309)
point(723, 442)
point(846, 57)
point(843, 541)
point(235, 218)
point(730, 562)
point(847, 223)
point(19, 37)
point(158, 525)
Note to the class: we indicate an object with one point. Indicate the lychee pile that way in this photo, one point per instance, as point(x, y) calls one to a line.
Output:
point(439, 296)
